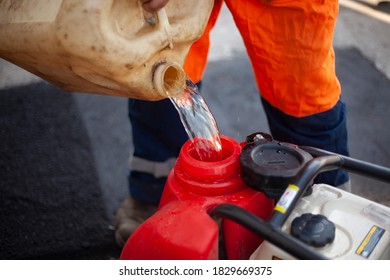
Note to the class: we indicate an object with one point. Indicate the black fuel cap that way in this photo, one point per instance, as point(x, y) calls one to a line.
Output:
point(268, 165)
point(314, 230)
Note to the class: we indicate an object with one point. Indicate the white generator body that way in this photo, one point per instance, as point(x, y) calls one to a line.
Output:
point(361, 226)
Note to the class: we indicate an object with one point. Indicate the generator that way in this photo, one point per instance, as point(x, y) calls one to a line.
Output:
point(259, 202)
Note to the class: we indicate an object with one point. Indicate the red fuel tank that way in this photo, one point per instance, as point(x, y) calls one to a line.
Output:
point(182, 227)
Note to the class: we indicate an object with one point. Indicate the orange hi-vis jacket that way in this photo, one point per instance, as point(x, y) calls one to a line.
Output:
point(289, 43)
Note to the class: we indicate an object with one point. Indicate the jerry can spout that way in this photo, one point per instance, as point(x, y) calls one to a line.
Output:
point(169, 79)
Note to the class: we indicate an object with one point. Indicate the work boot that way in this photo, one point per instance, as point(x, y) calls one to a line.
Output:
point(129, 216)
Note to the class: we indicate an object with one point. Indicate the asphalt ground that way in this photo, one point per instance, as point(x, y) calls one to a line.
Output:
point(64, 156)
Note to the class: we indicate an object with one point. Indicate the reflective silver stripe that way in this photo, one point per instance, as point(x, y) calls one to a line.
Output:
point(157, 169)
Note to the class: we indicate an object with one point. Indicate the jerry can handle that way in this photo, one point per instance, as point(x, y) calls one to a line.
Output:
point(161, 21)
point(164, 24)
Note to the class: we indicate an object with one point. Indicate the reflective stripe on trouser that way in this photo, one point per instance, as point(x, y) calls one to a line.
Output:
point(158, 136)
point(326, 130)
point(157, 169)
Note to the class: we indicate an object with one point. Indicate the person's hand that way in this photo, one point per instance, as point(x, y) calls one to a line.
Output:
point(153, 6)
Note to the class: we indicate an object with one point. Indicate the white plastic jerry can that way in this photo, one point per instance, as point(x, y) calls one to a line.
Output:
point(110, 47)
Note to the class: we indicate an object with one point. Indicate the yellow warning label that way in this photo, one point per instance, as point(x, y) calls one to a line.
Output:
point(286, 199)
point(280, 209)
point(370, 241)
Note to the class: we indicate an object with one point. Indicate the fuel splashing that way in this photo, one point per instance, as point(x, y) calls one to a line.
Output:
point(198, 122)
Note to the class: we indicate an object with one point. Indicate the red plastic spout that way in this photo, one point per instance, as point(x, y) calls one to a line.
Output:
point(182, 227)
point(209, 178)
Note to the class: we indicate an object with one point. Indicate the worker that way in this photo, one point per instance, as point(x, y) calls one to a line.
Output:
point(290, 47)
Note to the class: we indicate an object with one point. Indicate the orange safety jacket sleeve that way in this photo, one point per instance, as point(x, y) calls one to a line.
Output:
point(196, 60)
point(289, 43)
